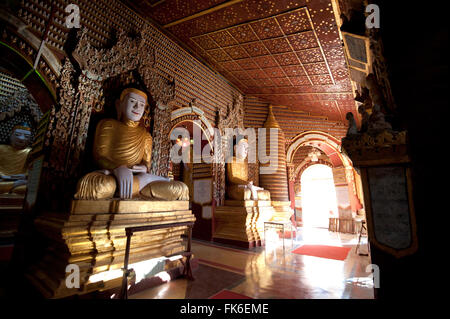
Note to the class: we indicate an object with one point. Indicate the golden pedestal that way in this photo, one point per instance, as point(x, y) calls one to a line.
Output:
point(92, 236)
point(241, 223)
point(283, 211)
point(11, 207)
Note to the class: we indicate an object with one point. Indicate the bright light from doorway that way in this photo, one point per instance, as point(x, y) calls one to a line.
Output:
point(318, 196)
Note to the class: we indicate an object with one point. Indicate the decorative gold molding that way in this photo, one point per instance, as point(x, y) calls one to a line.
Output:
point(232, 116)
point(202, 13)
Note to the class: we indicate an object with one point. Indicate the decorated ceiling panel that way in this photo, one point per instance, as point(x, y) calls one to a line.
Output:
point(285, 52)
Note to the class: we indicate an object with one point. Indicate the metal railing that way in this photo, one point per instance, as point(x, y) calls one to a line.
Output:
point(187, 271)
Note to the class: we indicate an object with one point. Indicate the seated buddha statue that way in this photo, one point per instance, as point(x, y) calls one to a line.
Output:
point(122, 150)
point(377, 122)
point(238, 186)
point(13, 160)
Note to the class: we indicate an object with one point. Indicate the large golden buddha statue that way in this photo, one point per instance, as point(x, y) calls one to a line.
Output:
point(122, 149)
point(13, 160)
point(238, 185)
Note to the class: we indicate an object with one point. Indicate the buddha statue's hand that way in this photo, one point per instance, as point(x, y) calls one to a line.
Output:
point(254, 190)
point(20, 182)
point(139, 169)
point(124, 177)
point(105, 171)
point(14, 177)
point(251, 187)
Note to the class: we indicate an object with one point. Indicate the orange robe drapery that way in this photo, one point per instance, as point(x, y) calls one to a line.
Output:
point(12, 162)
point(118, 143)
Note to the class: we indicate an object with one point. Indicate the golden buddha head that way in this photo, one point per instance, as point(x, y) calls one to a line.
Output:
point(20, 136)
point(132, 105)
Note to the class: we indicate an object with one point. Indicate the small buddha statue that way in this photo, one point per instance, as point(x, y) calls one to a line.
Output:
point(122, 149)
point(13, 160)
point(352, 130)
point(377, 122)
point(375, 94)
point(364, 118)
point(238, 186)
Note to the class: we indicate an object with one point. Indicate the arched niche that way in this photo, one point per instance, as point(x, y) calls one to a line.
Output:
point(18, 50)
point(198, 141)
point(323, 141)
point(83, 90)
point(331, 147)
point(196, 116)
point(198, 173)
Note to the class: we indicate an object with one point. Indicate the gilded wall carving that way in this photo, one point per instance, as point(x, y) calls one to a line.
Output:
point(232, 116)
point(62, 119)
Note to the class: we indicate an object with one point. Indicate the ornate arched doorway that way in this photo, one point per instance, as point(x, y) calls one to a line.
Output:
point(191, 155)
point(346, 180)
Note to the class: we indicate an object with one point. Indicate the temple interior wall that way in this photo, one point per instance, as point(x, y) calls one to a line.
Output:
point(22, 111)
point(196, 83)
point(256, 110)
point(104, 18)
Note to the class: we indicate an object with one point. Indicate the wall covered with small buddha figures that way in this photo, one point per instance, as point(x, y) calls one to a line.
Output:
point(82, 84)
point(256, 110)
point(17, 106)
point(103, 19)
point(85, 70)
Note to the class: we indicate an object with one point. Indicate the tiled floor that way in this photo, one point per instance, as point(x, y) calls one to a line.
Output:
point(274, 272)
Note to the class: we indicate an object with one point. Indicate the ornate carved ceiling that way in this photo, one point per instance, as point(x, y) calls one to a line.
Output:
point(286, 52)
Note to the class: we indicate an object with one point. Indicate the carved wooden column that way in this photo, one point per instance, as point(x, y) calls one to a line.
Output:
point(384, 163)
point(291, 179)
point(161, 141)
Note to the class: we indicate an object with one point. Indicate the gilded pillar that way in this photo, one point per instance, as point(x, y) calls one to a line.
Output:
point(276, 181)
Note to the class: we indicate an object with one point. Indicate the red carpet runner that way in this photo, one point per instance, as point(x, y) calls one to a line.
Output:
point(227, 294)
point(330, 252)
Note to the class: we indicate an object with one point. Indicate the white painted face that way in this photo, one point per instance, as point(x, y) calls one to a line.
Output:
point(133, 106)
point(242, 150)
point(20, 138)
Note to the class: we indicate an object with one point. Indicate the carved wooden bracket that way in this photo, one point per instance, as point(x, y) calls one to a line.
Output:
point(232, 116)
point(386, 146)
